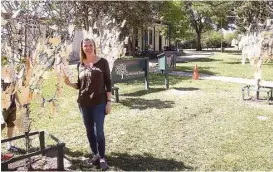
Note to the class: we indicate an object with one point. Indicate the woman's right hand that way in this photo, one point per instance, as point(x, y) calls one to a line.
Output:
point(66, 81)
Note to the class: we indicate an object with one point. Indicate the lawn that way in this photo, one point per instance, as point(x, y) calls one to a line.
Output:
point(195, 125)
point(226, 64)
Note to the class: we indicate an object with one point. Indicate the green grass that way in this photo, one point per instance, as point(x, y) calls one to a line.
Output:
point(226, 64)
point(195, 125)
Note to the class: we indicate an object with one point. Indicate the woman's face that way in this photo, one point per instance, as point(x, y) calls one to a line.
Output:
point(88, 47)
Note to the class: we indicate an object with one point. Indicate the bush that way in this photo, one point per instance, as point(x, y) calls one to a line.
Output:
point(229, 37)
point(211, 39)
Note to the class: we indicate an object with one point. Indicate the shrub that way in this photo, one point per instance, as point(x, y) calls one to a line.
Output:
point(229, 37)
point(211, 39)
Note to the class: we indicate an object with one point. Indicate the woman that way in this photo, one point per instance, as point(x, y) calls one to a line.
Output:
point(94, 99)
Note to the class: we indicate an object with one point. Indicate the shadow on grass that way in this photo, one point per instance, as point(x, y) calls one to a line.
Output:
point(232, 62)
point(225, 51)
point(158, 79)
point(203, 70)
point(268, 63)
point(142, 104)
point(199, 60)
point(144, 92)
point(236, 53)
point(126, 162)
point(155, 90)
point(186, 89)
point(146, 162)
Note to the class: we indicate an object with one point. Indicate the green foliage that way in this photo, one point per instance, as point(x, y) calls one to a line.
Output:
point(211, 39)
point(174, 13)
point(251, 13)
point(137, 13)
point(229, 37)
point(4, 60)
point(203, 15)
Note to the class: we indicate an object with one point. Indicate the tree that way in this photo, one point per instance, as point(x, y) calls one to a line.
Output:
point(252, 14)
point(257, 36)
point(138, 14)
point(25, 65)
point(172, 11)
point(203, 16)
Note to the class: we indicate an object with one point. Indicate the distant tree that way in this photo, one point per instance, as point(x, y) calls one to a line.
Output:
point(175, 13)
point(204, 15)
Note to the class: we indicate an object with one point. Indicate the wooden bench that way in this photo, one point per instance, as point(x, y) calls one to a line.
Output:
point(266, 89)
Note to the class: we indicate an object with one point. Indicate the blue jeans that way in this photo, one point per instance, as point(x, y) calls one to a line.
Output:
point(93, 118)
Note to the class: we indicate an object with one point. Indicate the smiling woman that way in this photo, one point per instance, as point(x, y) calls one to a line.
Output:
point(94, 85)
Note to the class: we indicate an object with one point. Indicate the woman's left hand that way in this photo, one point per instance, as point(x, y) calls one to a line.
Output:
point(108, 108)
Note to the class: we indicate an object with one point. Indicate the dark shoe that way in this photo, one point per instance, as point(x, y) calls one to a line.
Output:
point(95, 160)
point(6, 156)
point(103, 164)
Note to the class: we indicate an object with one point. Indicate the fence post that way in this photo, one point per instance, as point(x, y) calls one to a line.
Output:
point(60, 158)
point(42, 140)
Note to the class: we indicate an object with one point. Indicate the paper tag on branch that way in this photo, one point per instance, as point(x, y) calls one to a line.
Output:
point(54, 41)
point(26, 124)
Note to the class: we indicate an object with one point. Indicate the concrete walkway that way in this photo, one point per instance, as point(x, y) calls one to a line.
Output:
point(191, 55)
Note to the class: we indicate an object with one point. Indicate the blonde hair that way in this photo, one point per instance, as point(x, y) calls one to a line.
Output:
point(82, 53)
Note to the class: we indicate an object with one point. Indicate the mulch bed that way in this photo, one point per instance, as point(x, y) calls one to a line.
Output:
point(38, 163)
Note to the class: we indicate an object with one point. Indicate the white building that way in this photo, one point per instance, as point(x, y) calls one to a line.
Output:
point(152, 38)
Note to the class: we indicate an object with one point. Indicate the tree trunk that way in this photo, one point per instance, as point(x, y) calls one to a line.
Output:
point(129, 46)
point(134, 41)
point(86, 18)
point(198, 41)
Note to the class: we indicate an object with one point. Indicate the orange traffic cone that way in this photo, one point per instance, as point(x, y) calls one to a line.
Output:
point(195, 73)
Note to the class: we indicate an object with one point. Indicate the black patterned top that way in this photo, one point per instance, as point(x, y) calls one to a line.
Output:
point(93, 83)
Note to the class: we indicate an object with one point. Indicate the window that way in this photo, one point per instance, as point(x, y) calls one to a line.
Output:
point(150, 37)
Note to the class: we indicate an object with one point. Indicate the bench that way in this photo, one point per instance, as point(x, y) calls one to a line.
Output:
point(115, 93)
point(266, 89)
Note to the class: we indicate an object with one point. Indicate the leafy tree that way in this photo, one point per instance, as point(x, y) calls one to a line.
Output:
point(174, 13)
point(251, 15)
point(204, 15)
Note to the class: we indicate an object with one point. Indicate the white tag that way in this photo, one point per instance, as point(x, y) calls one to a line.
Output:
point(26, 123)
